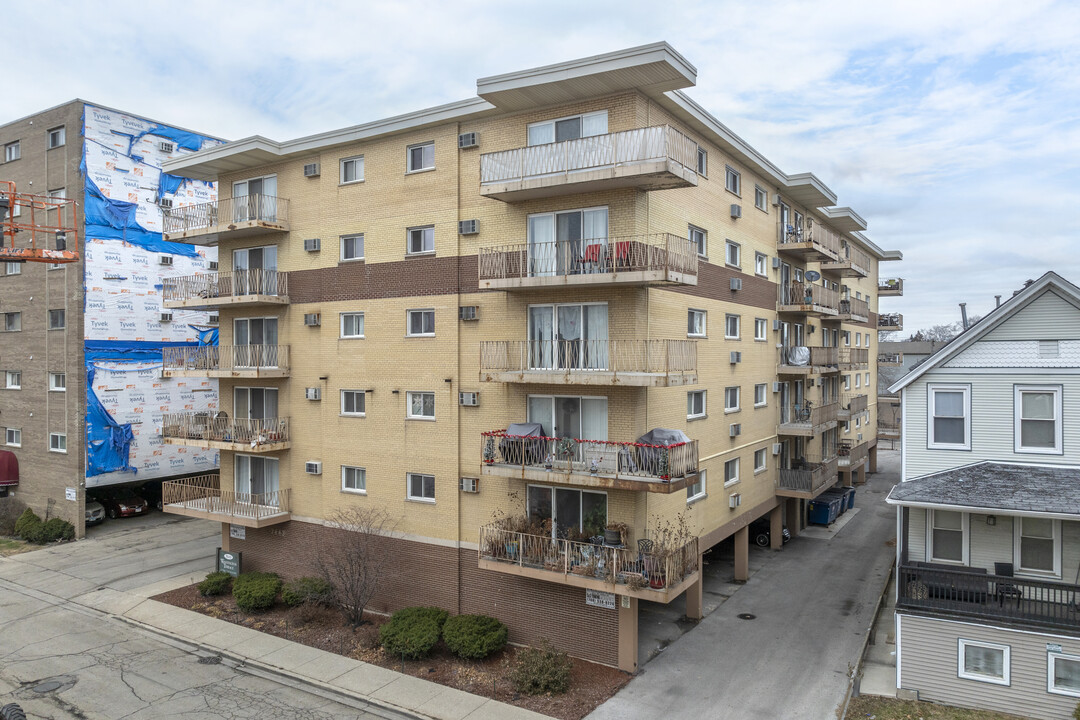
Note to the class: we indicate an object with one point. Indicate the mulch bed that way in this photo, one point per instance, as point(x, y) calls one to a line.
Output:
point(324, 628)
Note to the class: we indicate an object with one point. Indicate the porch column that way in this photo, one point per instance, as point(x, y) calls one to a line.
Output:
point(742, 554)
point(873, 458)
point(693, 594)
point(776, 527)
point(628, 632)
point(846, 477)
point(793, 520)
point(225, 537)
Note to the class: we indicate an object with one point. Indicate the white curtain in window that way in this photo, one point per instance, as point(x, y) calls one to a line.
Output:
point(542, 134)
point(541, 337)
point(596, 336)
point(595, 124)
point(542, 245)
point(594, 419)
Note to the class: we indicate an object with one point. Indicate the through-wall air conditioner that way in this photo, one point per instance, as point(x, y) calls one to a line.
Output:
point(166, 317)
point(313, 467)
point(213, 264)
point(470, 485)
point(776, 386)
point(777, 200)
point(735, 430)
point(776, 448)
point(468, 312)
point(776, 324)
point(734, 500)
point(736, 210)
point(166, 147)
point(313, 393)
point(469, 399)
point(214, 319)
point(312, 319)
point(467, 227)
point(165, 203)
point(736, 356)
point(776, 263)
point(311, 169)
point(467, 140)
point(736, 283)
point(165, 260)
point(313, 244)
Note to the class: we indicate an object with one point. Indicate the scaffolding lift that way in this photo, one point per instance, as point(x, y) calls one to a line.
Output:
point(37, 222)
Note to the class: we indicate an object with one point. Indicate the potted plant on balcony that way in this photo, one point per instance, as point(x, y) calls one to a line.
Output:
point(549, 460)
point(616, 533)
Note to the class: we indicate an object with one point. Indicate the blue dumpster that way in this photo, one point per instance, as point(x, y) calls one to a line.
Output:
point(823, 511)
point(839, 495)
point(851, 497)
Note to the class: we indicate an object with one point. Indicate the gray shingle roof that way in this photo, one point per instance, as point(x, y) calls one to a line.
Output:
point(1002, 486)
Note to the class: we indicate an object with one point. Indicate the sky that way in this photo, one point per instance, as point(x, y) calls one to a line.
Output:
point(951, 126)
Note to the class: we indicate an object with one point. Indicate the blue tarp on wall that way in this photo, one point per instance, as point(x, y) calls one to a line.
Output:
point(115, 220)
point(108, 444)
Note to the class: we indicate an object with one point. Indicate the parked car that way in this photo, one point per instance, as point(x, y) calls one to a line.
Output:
point(122, 502)
point(95, 513)
point(761, 532)
point(151, 491)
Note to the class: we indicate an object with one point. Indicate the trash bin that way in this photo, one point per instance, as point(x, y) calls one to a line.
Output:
point(836, 494)
point(851, 498)
point(821, 511)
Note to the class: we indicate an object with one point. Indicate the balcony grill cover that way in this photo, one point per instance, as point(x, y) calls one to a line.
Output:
point(511, 447)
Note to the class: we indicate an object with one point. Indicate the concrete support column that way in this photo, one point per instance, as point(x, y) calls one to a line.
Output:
point(628, 632)
point(862, 475)
point(794, 519)
point(873, 458)
point(742, 554)
point(694, 594)
point(776, 527)
point(225, 537)
point(846, 478)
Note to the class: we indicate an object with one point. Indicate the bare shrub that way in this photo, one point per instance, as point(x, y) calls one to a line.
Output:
point(355, 563)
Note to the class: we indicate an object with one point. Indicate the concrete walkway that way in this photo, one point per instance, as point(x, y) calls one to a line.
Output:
point(879, 661)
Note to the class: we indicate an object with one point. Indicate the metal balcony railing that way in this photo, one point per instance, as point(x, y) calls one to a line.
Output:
point(661, 357)
point(809, 473)
point(852, 403)
point(891, 286)
point(891, 321)
point(806, 416)
point(855, 307)
point(803, 294)
point(223, 285)
point(815, 359)
point(824, 239)
point(890, 358)
point(226, 358)
point(854, 358)
point(203, 494)
point(212, 215)
point(851, 455)
point(850, 258)
point(216, 428)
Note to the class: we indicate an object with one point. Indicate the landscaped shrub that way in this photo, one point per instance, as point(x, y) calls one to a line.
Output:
point(28, 519)
point(256, 591)
point(216, 583)
point(413, 632)
point(474, 636)
point(541, 670)
point(55, 529)
point(10, 510)
point(307, 590)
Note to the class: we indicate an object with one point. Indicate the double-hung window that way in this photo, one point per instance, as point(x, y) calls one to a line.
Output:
point(733, 253)
point(760, 461)
point(13, 437)
point(1037, 421)
point(353, 480)
point(761, 329)
point(695, 323)
point(421, 487)
point(57, 137)
point(353, 403)
point(702, 162)
point(731, 399)
point(56, 319)
point(731, 472)
point(12, 322)
point(1037, 546)
point(983, 661)
point(731, 327)
point(58, 442)
point(13, 380)
point(421, 323)
point(12, 151)
point(352, 247)
point(699, 240)
point(421, 157)
point(421, 240)
point(732, 180)
point(352, 325)
point(697, 490)
point(695, 404)
point(761, 199)
point(949, 417)
point(57, 382)
point(761, 264)
point(352, 170)
point(421, 405)
point(760, 395)
point(948, 536)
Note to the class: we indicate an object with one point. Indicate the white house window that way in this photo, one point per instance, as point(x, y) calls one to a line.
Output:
point(761, 264)
point(13, 380)
point(1037, 548)
point(12, 151)
point(12, 322)
point(761, 199)
point(352, 325)
point(1063, 674)
point(697, 490)
point(13, 437)
point(352, 247)
point(949, 422)
point(695, 404)
point(732, 180)
point(13, 268)
point(58, 442)
point(948, 536)
point(421, 157)
point(353, 402)
point(983, 661)
point(760, 394)
point(858, 339)
point(761, 329)
point(353, 479)
point(699, 239)
point(866, 379)
point(734, 253)
point(421, 323)
point(57, 137)
point(57, 382)
point(731, 327)
point(421, 240)
point(731, 399)
point(1037, 426)
point(858, 381)
point(421, 487)
point(695, 323)
point(702, 162)
point(731, 472)
point(421, 405)
point(568, 128)
point(760, 461)
point(352, 169)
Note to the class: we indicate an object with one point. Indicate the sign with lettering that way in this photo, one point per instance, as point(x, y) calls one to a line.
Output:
point(228, 562)
point(596, 598)
point(1053, 647)
point(71, 494)
point(238, 532)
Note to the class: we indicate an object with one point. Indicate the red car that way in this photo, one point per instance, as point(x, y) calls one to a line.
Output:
point(122, 502)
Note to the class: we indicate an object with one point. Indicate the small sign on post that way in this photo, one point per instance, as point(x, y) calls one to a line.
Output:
point(229, 562)
point(598, 598)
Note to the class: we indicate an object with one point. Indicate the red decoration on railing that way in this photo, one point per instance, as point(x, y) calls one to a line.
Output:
point(503, 434)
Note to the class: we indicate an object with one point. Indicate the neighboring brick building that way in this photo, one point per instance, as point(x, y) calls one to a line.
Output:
point(582, 250)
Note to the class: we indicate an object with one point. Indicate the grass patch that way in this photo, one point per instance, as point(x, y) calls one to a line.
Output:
point(10, 546)
point(882, 708)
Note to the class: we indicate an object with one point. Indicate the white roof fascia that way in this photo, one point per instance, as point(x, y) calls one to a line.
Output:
point(845, 212)
point(983, 510)
point(875, 250)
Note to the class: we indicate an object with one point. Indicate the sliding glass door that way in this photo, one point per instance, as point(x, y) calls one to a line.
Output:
point(568, 243)
point(568, 509)
point(568, 337)
point(256, 476)
point(255, 271)
point(255, 199)
point(256, 341)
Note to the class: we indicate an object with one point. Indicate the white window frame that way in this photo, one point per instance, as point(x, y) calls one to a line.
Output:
point(704, 404)
point(761, 264)
point(727, 326)
point(729, 478)
point(698, 490)
point(727, 398)
point(426, 231)
point(858, 381)
point(1051, 659)
point(60, 193)
point(1018, 391)
point(552, 122)
point(362, 472)
point(732, 180)
point(965, 528)
point(1035, 572)
point(760, 467)
point(13, 437)
point(60, 135)
point(363, 403)
point(761, 329)
point(858, 339)
point(962, 672)
point(693, 313)
point(423, 157)
point(62, 316)
point(702, 162)
point(699, 238)
point(761, 199)
point(931, 441)
point(344, 241)
point(12, 151)
point(341, 326)
point(13, 268)
point(356, 162)
point(408, 322)
point(60, 444)
point(409, 405)
point(732, 248)
point(55, 386)
point(419, 498)
point(761, 389)
point(13, 380)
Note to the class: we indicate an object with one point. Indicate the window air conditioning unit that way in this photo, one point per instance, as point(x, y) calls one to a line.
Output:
point(467, 312)
point(735, 430)
point(776, 200)
point(213, 264)
point(165, 147)
point(736, 283)
point(810, 329)
point(469, 399)
point(311, 169)
point(165, 203)
point(166, 317)
point(313, 467)
point(776, 448)
point(313, 393)
point(470, 485)
point(467, 140)
point(776, 263)
point(776, 324)
point(214, 319)
point(736, 211)
point(165, 260)
point(313, 244)
point(776, 386)
point(734, 500)
point(467, 227)
point(312, 319)
point(736, 356)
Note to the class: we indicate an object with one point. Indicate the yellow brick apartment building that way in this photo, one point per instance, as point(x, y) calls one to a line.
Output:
point(576, 299)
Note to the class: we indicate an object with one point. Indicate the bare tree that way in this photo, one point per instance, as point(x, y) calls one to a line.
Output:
point(354, 564)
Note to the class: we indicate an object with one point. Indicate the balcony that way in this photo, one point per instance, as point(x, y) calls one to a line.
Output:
point(659, 574)
point(851, 404)
point(807, 419)
point(660, 258)
point(890, 287)
point(214, 290)
point(221, 432)
point(808, 476)
point(202, 497)
point(968, 592)
point(854, 358)
point(226, 361)
point(808, 299)
point(890, 359)
point(854, 310)
point(852, 262)
point(207, 223)
point(890, 321)
point(652, 158)
point(816, 243)
point(619, 465)
point(639, 363)
point(888, 431)
point(802, 360)
point(851, 455)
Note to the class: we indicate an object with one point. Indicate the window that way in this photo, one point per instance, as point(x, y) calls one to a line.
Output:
point(567, 508)
point(761, 264)
point(58, 193)
point(695, 404)
point(847, 382)
point(58, 442)
point(761, 329)
point(13, 268)
point(695, 323)
point(12, 322)
point(732, 256)
point(352, 170)
point(761, 199)
point(421, 487)
point(697, 490)
point(568, 128)
point(761, 394)
point(1063, 674)
point(58, 382)
point(354, 480)
point(858, 422)
point(13, 437)
point(699, 239)
point(13, 380)
point(57, 137)
point(731, 472)
point(949, 424)
point(948, 536)
point(702, 162)
point(353, 402)
point(732, 180)
point(858, 380)
point(731, 327)
point(352, 247)
point(1037, 548)
point(1036, 425)
point(731, 399)
point(352, 325)
point(761, 461)
point(56, 319)
point(867, 339)
point(983, 661)
point(421, 240)
point(421, 157)
point(846, 334)
point(421, 405)
point(858, 339)
point(866, 379)
point(12, 152)
point(421, 323)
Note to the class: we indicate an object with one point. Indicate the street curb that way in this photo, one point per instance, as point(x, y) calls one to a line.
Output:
point(866, 642)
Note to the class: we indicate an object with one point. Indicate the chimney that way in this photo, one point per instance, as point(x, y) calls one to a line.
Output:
point(997, 301)
point(963, 315)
